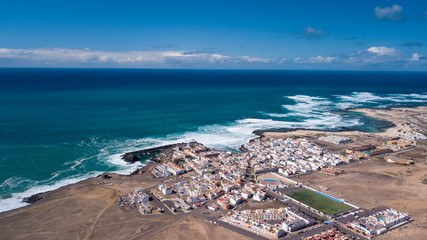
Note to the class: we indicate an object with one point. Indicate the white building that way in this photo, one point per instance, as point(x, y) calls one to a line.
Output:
point(259, 196)
point(165, 190)
point(139, 196)
point(213, 207)
point(175, 169)
point(236, 200)
point(246, 194)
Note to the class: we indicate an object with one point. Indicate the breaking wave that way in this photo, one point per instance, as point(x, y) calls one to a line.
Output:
point(15, 200)
point(299, 111)
point(367, 97)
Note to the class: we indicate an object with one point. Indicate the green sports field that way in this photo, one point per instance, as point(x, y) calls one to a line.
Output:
point(319, 202)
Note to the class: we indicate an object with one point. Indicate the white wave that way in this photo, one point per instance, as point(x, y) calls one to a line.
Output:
point(235, 134)
point(419, 98)
point(325, 121)
point(346, 105)
point(277, 115)
point(367, 97)
point(417, 95)
point(226, 136)
point(307, 103)
point(76, 163)
point(304, 114)
point(312, 112)
point(54, 175)
point(107, 155)
point(123, 167)
point(13, 182)
point(15, 201)
point(305, 98)
point(360, 97)
point(230, 135)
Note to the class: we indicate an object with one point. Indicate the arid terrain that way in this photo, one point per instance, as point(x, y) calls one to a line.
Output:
point(89, 209)
point(377, 183)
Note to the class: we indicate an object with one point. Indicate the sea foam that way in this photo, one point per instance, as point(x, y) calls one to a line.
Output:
point(313, 112)
point(16, 199)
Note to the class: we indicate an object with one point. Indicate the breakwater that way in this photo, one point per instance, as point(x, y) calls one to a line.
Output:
point(134, 156)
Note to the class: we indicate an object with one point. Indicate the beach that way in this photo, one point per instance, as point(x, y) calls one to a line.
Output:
point(399, 117)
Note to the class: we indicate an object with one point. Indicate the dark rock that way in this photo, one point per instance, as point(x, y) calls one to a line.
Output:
point(34, 198)
point(132, 157)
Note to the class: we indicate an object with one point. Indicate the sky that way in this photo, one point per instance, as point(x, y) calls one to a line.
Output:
point(269, 34)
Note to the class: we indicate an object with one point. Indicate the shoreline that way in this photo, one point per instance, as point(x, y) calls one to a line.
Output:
point(132, 157)
point(83, 203)
point(339, 129)
point(398, 125)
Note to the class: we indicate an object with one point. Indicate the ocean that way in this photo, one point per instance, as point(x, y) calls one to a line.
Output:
point(60, 126)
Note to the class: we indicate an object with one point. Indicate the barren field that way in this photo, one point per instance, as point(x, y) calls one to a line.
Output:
point(88, 210)
point(251, 204)
point(377, 183)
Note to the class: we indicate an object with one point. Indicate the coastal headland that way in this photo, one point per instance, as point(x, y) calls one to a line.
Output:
point(189, 191)
point(134, 156)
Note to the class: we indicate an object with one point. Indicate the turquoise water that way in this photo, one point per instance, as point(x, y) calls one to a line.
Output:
point(59, 126)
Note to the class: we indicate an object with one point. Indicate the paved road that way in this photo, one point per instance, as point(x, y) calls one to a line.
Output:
point(348, 231)
point(158, 203)
point(307, 233)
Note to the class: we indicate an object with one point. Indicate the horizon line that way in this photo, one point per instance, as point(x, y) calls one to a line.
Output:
point(219, 69)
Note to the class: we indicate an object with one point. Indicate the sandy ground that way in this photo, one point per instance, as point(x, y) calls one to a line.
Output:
point(398, 116)
point(252, 204)
point(193, 228)
point(377, 183)
point(87, 210)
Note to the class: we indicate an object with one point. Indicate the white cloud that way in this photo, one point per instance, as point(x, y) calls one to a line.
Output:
point(415, 57)
point(88, 57)
point(371, 58)
point(391, 13)
point(311, 33)
point(382, 50)
point(376, 57)
point(318, 59)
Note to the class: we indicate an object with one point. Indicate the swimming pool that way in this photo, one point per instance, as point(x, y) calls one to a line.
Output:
point(269, 180)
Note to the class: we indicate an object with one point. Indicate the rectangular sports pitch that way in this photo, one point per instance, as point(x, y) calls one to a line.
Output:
point(319, 202)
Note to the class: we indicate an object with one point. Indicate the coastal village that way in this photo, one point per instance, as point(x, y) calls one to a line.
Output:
point(213, 120)
point(293, 185)
point(218, 185)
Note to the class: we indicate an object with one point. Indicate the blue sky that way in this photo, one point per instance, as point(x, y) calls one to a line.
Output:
point(353, 35)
